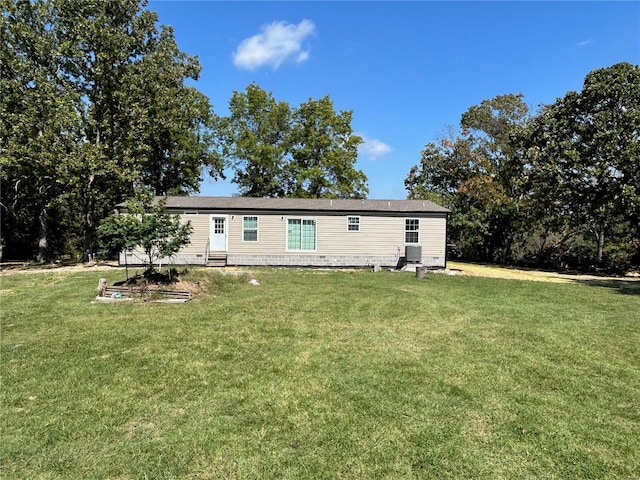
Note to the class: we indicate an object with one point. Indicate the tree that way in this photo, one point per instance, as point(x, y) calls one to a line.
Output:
point(584, 152)
point(94, 103)
point(37, 126)
point(478, 174)
point(98, 42)
point(324, 151)
point(254, 139)
point(170, 120)
point(276, 151)
point(146, 226)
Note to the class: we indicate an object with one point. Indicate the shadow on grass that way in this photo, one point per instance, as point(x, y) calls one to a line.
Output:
point(625, 287)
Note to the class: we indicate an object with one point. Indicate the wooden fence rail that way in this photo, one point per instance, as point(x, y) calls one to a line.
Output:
point(113, 292)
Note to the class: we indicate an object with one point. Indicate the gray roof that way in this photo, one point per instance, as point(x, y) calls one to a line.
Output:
point(307, 204)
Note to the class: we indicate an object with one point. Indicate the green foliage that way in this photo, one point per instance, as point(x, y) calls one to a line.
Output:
point(584, 152)
point(37, 129)
point(171, 122)
point(148, 226)
point(558, 187)
point(324, 151)
point(119, 233)
point(478, 176)
point(254, 139)
point(93, 101)
point(307, 152)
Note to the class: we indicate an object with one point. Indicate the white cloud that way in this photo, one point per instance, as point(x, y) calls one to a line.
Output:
point(373, 148)
point(584, 43)
point(278, 42)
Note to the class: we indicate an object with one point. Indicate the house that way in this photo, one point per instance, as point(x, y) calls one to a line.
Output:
point(309, 232)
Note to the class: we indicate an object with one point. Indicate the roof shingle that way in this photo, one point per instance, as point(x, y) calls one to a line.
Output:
point(303, 204)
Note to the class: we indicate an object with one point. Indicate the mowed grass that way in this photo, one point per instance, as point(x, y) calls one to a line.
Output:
point(321, 374)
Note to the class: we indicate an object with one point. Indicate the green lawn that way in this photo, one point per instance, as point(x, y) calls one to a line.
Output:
point(321, 374)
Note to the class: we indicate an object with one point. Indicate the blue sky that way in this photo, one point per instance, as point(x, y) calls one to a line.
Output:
point(407, 70)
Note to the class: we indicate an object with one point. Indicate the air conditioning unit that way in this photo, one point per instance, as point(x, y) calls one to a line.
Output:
point(413, 254)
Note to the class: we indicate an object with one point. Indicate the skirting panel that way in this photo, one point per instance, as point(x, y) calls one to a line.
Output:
point(135, 259)
point(324, 260)
point(289, 260)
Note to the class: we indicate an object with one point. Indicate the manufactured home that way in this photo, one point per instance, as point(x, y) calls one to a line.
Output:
point(309, 232)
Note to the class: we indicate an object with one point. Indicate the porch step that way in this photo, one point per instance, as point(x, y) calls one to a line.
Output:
point(217, 260)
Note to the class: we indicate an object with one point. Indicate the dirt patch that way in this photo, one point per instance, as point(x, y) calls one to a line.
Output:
point(142, 429)
point(198, 289)
point(477, 270)
point(470, 269)
point(20, 267)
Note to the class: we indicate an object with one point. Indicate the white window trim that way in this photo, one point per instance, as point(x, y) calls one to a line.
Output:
point(349, 217)
point(257, 228)
point(405, 231)
point(286, 233)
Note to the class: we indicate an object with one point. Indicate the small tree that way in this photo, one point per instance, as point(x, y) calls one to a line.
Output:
point(148, 227)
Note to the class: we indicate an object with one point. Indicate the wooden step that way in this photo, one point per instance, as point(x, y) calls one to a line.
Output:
point(217, 260)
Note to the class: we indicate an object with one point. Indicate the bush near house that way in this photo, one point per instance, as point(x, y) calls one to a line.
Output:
point(147, 229)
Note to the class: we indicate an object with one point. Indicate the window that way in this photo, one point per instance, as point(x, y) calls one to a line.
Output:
point(301, 234)
point(411, 230)
point(218, 226)
point(353, 224)
point(250, 229)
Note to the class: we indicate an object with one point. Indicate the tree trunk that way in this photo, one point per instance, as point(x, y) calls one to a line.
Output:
point(507, 250)
point(43, 244)
point(600, 237)
point(126, 264)
point(88, 220)
point(545, 237)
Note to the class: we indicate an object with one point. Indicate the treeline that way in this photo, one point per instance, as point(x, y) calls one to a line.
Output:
point(558, 187)
point(96, 102)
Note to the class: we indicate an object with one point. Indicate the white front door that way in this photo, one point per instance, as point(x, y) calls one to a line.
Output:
point(218, 233)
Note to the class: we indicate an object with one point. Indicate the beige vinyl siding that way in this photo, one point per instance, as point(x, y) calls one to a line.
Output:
point(377, 235)
point(433, 236)
point(271, 235)
point(199, 236)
